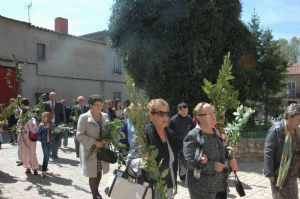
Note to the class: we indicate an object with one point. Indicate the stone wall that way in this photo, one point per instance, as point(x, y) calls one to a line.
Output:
point(251, 149)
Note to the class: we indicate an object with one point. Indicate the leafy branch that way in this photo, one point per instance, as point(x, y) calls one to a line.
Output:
point(222, 94)
point(35, 112)
point(233, 129)
point(65, 127)
point(111, 133)
point(138, 116)
point(7, 111)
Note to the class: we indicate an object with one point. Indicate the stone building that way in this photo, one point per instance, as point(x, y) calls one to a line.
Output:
point(57, 61)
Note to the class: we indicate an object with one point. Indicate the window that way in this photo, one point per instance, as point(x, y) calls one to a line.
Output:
point(116, 95)
point(291, 88)
point(41, 51)
point(117, 66)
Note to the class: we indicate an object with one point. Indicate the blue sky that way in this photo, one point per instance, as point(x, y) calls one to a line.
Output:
point(86, 16)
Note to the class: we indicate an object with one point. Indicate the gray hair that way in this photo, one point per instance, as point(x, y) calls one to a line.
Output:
point(292, 110)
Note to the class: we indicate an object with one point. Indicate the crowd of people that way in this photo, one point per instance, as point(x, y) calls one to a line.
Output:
point(192, 149)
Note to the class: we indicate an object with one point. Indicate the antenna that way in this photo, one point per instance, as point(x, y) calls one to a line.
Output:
point(28, 10)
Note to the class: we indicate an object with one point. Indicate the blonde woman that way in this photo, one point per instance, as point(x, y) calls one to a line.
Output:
point(158, 135)
point(205, 153)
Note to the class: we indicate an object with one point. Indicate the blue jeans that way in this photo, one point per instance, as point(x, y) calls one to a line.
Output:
point(46, 151)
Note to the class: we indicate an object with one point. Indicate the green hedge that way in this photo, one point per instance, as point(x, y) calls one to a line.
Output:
point(254, 134)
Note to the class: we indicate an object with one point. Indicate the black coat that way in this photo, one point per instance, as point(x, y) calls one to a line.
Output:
point(273, 149)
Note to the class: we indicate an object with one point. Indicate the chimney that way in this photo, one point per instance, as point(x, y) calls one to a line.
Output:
point(61, 25)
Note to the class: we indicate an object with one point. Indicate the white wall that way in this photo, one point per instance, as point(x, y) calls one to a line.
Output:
point(72, 67)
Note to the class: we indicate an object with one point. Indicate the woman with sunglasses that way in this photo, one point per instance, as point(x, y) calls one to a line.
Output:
point(204, 153)
point(157, 134)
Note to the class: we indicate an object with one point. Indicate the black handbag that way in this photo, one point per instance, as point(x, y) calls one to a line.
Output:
point(238, 186)
point(107, 155)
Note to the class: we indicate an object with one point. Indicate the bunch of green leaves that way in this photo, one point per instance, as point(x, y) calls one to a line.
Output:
point(138, 116)
point(222, 94)
point(35, 112)
point(224, 97)
point(7, 111)
point(111, 132)
point(233, 130)
point(65, 128)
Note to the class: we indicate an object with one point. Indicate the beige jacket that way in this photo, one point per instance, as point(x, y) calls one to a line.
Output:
point(87, 132)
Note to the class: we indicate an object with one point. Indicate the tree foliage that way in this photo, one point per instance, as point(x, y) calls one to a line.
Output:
point(170, 46)
point(290, 49)
point(268, 72)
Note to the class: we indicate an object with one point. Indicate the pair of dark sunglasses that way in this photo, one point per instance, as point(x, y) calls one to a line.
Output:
point(161, 113)
point(204, 114)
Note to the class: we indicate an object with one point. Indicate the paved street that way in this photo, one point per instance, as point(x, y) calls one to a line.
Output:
point(65, 179)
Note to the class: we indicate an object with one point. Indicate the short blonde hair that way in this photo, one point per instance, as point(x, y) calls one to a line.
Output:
point(155, 103)
point(198, 108)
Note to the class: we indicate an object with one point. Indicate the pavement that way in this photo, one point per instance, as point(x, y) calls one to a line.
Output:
point(66, 181)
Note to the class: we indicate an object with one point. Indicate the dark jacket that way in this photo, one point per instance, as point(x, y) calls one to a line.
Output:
point(273, 149)
point(163, 152)
point(58, 110)
point(180, 126)
point(68, 111)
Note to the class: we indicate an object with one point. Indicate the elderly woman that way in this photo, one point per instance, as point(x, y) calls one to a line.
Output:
point(282, 155)
point(204, 153)
point(157, 135)
point(89, 128)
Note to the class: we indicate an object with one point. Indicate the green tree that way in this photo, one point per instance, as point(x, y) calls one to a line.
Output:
point(169, 47)
point(268, 71)
point(290, 49)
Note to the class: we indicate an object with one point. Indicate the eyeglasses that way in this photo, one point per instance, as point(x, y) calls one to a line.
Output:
point(184, 106)
point(204, 114)
point(161, 113)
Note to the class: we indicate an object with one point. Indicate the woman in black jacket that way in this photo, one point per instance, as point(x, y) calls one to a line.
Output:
point(158, 135)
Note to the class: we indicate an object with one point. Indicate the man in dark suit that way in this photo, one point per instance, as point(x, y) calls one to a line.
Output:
point(79, 109)
point(58, 115)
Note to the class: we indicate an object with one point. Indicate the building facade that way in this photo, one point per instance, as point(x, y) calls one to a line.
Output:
point(293, 84)
point(56, 61)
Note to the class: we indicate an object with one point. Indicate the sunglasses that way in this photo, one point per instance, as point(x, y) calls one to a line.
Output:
point(161, 113)
point(204, 114)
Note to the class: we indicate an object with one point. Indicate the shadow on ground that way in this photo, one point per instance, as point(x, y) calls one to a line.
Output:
point(7, 178)
point(251, 167)
point(68, 150)
point(41, 184)
point(60, 161)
